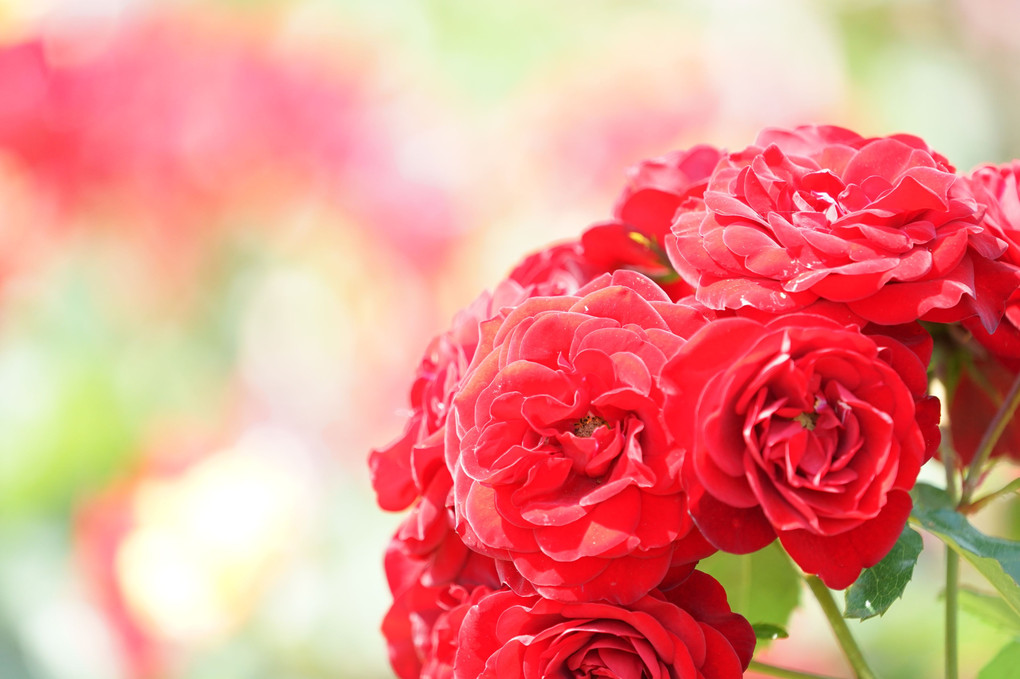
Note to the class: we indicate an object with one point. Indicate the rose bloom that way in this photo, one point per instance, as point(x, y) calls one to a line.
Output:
point(687, 632)
point(563, 468)
point(803, 428)
point(882, 225)
point(402, 470)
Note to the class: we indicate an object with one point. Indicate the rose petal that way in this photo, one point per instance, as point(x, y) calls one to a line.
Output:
point(839, 559)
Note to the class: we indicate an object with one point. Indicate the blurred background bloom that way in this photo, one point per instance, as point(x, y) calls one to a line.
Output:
point(230, 228)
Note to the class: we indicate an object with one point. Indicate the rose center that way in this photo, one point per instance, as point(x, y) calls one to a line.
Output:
point(585, 426)
point(807, 420)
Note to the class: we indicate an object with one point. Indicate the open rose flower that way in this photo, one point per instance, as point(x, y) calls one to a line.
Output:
point(563, 468)
point(687, 632)
point(804, 429)
point(882, 225)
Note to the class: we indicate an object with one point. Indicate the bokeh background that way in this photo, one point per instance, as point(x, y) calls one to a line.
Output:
point(228, 229)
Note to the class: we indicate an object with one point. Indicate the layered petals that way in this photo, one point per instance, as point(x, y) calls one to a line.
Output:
point(802, 428)
point(882, 225)
point(563, 467)
point(687, 632)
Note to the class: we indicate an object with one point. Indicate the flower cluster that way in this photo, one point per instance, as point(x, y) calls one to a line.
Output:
point(741, 354)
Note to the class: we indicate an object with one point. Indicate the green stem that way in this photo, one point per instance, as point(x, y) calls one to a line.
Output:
point(952, 606)
point(988, 441)
point(951, 658)
point(1011, 487)
point(846, 640)
point(782, 672)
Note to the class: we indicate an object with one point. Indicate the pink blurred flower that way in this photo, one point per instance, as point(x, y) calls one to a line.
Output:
point(166, 125)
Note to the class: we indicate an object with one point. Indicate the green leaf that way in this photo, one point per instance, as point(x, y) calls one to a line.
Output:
point(1004, 664)
point(769, 632)
point(881, 585)
point(990, 609)
point(995, 558)
point(763, 586)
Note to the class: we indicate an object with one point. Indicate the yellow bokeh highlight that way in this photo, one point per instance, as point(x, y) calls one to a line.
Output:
point(206, 540)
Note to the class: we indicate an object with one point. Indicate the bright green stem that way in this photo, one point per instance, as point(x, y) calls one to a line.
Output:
point(988, 441)
point(846, 640)
point(952, 606)
point(782, 672)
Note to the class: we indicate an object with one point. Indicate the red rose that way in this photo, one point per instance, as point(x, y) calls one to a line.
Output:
point(882, 225)
point(687, 632)
point(805, 429)
point(562, 464)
